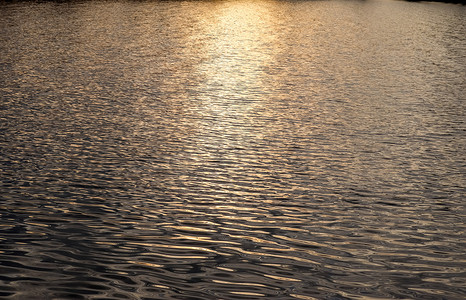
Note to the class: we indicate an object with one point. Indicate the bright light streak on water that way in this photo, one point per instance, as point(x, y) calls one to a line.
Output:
point(232, 149)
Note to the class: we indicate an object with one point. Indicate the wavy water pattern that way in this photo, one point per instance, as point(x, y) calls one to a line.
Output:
point(232, 150)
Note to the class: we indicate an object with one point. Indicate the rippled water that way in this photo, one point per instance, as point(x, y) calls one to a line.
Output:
point(248, 149)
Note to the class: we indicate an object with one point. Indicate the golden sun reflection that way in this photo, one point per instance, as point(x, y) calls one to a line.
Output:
point(238, 46)
point(238, 50)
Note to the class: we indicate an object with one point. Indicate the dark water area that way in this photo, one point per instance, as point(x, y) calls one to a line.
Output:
point(232, 150)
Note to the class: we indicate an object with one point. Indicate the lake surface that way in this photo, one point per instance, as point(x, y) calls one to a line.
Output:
point(232, 150)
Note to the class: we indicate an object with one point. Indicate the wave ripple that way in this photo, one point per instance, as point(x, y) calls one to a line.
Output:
point(232, 150)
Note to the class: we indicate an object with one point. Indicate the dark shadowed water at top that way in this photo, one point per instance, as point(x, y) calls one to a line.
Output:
point(248, 149)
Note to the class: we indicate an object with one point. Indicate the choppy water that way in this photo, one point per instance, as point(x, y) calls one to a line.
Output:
point(232, 149)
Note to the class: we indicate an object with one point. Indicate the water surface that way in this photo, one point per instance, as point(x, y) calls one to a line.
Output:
point(232, 150)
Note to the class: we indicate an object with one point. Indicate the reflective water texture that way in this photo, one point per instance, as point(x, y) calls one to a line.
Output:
point(232, 150)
